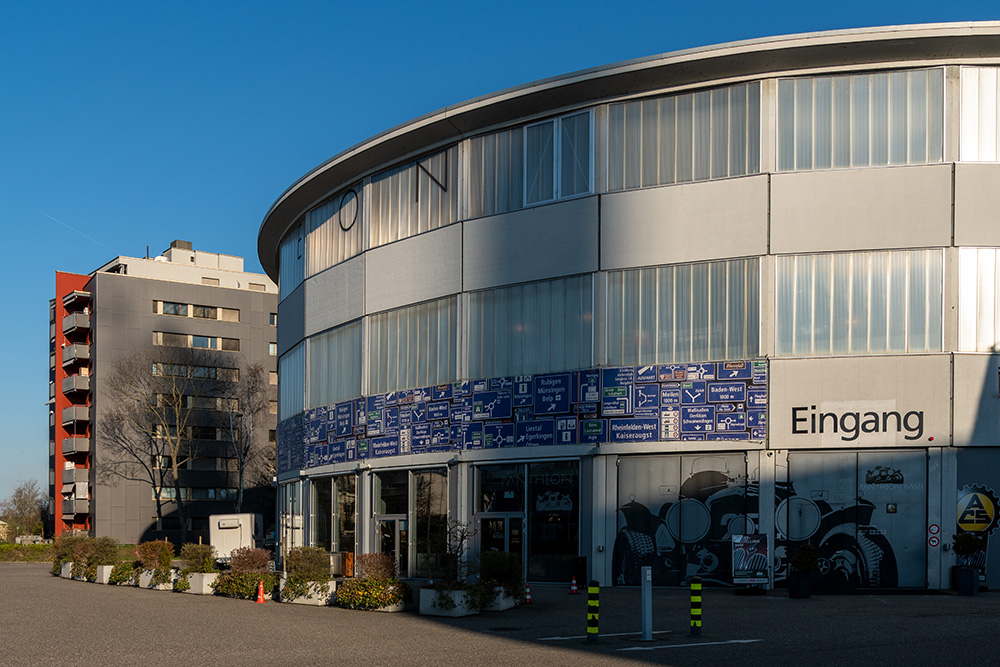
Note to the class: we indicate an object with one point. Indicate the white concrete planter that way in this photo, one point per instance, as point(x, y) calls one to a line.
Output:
point(501, 602)
point(146, 581)
point(319, 594)
point(201, 583)
point(429, 606)
point(399, 606)
point(104, 573)
point(66, 570)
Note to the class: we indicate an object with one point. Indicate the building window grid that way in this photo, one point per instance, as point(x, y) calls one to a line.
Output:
point(880, 302)
point(860, 120)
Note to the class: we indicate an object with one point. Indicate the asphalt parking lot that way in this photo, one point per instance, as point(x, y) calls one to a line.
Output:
point(46, 620)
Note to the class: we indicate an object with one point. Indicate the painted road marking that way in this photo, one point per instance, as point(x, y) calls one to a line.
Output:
point(603, 634)
point(651, 648)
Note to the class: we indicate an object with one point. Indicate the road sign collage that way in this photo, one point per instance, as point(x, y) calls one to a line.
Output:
point(724, 400)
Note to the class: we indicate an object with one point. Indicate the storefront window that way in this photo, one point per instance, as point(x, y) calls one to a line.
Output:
point(553, 519)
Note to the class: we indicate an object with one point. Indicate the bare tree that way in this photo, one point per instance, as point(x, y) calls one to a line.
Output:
point(244, 417)
point(150, 428)
point(24, 509)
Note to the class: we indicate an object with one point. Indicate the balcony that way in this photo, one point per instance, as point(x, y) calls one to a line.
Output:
point(75, 413)
point(76, 383)
point(75, 445)
point(74, 475)
point(76, 299)
point(74, 354)
point(76, 322)
point(71, 507)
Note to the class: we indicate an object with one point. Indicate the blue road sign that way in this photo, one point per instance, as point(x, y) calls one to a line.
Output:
point(756, 418)
point(646, 374)
point(593, 431)
point(756, 397)
point(724, 392)
point(498, 384)
point(672, 372)
point(759, 372)
point(647, 400)
point(566, 430)
point(463, 388)
point(586, 408)
point(700, 371)
point(670, 394)
point(670, 422)
point(618, 388)
point(388, 446)
point(735, 370)
point(441, 392)
point(492, 405)
point(697, 418)
point(438, 411)
point(551, 394)
point(535, 433)
point(523, 391)
point(694, 393)
point(589, 389)
point(633, 430)
point(496, 436)
point(731, 421)
point(728, 435)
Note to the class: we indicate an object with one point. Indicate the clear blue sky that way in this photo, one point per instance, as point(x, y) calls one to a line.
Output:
point(126, 124)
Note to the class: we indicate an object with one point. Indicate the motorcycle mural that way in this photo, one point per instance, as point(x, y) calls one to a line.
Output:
point(692, 534)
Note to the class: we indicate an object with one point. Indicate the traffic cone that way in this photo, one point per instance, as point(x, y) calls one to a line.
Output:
point(573, 590)
point(527, 593)
point(260, 593)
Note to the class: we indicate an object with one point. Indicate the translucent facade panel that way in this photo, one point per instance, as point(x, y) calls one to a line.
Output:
point(496, 173)
point(687, 312)
point(416, 197)
point(859, 303)
point(335, 365)
point(333, 231)
point(980, 114)
point(861, 120)
point(574, 155)
point(683, 138)
point(979, 300)
point(414, 346)
point(532, 328)
point(292, 382)
point(291, 255)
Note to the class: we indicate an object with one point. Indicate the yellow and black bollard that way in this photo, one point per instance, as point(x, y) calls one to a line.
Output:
point(696, 607)
point(593, 610)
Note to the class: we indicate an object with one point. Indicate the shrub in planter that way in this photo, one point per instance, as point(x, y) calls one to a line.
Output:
point(124, 573)
point(456, 594)
point(154, 557)
point(967, 546)
point(499, 569)
point(376, 586)
point(103, 553)
point(199, 569)
point(62, 550)
point(80, 552)
point(308, 575)
point(248, 566)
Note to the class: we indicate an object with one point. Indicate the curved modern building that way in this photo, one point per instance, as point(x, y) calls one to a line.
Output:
point(688, 312)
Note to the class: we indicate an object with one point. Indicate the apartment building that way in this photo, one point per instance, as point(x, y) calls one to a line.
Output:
point(184, 299)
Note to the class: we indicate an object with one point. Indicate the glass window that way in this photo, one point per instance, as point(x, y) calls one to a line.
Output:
point(229, 314)
point(687, 312)
point(859, 303)
point(334, 365)
point(532, 328)
point(206, 312)
point(204, 342)
point(334, 231)
point(416, 197)
point(345, 490)
point(171, 308)
point(231, 344)
point(539, 161)
point(681, 138)
point(392, 492)
point(553, 519)
point(321, 520)
point(979, 300)
point(431, 521)
point(272, 319)
point(414, 346)
point(272, 349)
point(501, 488)
point(861, 120)
point(496, 172)
point(292, 267)
point(291, 390)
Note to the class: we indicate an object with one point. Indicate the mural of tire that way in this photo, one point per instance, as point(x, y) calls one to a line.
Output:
point(856, 557)
point(633, 550)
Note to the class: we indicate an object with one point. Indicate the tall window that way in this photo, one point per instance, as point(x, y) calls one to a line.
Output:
point(859, 303)
point(861, 120)
point(416, 197)
point(980, 114)
point(292, 268)
point(688, 312)
point(532, 328)
point(979, 300)
point(682, 138)
point(291, 389)
point(334, 231)
point(334, 365)
point(414, 346)
point(529, 165)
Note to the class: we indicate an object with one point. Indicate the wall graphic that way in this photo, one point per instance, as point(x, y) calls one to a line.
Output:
point(724, 400)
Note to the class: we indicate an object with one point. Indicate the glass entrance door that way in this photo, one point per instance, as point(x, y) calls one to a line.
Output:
point(502, 532)
point(393, 538)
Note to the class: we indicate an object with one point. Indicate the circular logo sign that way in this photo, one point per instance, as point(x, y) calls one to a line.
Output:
point(977, 510)
point(934, 540)
point(933, 529)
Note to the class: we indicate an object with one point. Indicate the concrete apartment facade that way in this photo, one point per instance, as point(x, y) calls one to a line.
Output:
point(182, 299)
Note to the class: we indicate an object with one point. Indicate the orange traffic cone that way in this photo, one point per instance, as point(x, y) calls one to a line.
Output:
point(260, 593)
point(527, 593)
point(573, 590)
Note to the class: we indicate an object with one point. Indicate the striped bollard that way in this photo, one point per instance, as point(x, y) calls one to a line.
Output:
point(696, 606)
point(593, 610)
